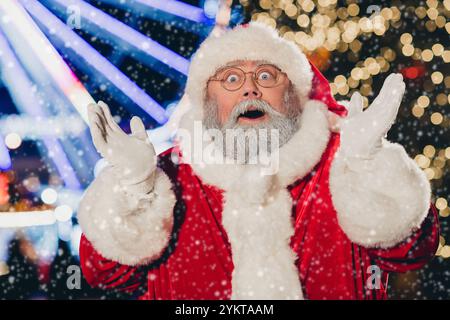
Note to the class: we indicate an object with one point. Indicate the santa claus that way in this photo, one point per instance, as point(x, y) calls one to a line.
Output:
point(341, 209)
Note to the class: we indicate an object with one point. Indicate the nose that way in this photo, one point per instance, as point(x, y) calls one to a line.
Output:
point(250, 89)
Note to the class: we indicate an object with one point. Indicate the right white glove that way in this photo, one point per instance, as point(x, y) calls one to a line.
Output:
point(362, 132)
point(132, 157)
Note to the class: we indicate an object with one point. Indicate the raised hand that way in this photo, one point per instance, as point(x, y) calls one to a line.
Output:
point(362, 131)
point(132, 156)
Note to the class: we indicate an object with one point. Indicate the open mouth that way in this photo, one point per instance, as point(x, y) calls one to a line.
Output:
point(252, 114)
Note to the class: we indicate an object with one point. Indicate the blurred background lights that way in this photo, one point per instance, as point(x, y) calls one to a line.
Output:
point(63, 213)
point(134, 56)
point(49, 196)
point(13, 141)
point(356, 45)
point(32, 184)
point(211, 7)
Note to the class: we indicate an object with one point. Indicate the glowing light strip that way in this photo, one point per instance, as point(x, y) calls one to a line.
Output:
point(30, 127)
point(19, 219)
point(94, 20)
point(31, 45)
point(69, 42)
point(21, 90)
point(173, 7)
point(57, 85)
point(201, 26)
point(27, 219)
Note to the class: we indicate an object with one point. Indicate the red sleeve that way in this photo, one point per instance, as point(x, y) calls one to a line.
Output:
point(414, 252)
point(102, 273)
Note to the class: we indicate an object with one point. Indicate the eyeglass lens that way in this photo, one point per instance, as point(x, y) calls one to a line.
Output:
point(233, 78)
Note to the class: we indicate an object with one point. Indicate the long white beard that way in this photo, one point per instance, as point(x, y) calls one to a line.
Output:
point(243, 143)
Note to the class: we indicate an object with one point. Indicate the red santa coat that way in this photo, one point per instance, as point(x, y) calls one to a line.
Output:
point(198, 262)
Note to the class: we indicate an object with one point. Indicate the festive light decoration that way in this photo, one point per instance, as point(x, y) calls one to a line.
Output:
point(89, 60)
point(20, 29)
point(13, 140)
point(27, 219)
point(414, 72)
point(63, 213)
point(17, 82)
point(96, 21)
point(32, 64)
point(330, 33)
point(172, 7)
point(49, 196)
point(30, 127)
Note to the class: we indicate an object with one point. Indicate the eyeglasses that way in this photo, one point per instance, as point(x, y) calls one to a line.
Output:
point(233, 78)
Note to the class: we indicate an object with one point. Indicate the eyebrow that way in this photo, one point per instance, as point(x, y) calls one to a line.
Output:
point(240, 63)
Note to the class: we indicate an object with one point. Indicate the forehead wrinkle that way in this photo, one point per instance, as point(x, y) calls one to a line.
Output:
point(240, 63)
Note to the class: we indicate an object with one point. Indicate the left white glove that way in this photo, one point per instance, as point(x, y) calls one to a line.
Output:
point(362, 132)
point(132, 157)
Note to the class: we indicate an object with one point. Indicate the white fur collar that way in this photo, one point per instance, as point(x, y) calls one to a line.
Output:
point(257, 208)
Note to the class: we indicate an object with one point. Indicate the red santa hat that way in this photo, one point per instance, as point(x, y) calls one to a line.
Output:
point(257, 41)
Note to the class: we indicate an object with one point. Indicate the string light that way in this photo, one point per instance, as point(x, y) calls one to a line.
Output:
point(323, 26)
point(13, 141)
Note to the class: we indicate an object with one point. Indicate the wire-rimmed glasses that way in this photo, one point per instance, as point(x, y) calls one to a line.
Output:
point(233, 78)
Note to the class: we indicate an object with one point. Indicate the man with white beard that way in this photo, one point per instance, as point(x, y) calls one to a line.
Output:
point(344, 208)
point(240, 139)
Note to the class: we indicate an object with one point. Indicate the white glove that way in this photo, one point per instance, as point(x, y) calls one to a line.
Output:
point(362, 132)
point(132, 157)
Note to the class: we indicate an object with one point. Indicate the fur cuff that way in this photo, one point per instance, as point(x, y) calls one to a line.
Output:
point(379, 202)
point(126, 226)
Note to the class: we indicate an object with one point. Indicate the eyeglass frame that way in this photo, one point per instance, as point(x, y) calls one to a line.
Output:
point(245, 75)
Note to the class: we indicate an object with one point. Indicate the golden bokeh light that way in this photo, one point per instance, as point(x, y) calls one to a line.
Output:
point(437, 77)
point(436, 118)
point(427, 55)
point(423, 101)
point(429, 151)
point(406, 38)
point(441, 203)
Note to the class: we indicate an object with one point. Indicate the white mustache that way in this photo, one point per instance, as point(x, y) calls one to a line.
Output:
point(245, 105)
